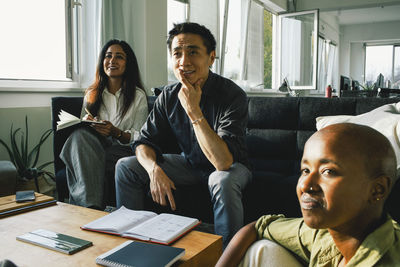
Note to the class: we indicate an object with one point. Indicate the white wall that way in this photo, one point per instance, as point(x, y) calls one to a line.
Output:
point(329, 27)
point(357, 61)
point(352, 38)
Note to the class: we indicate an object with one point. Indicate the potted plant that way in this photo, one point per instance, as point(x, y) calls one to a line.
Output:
point(25, 161)
point(368, 86)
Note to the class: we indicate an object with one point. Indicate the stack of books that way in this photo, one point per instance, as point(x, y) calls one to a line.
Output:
point(9, 205)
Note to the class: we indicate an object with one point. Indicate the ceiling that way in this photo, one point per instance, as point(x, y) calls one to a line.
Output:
point(367, 15)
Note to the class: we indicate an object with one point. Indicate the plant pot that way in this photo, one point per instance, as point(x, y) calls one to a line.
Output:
point(46, 186)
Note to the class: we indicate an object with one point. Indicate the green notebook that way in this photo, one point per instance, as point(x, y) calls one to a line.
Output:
point(55, 241)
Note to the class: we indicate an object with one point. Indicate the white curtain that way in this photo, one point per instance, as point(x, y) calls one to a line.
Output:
point(90, 41)
point(321, 65)
point(254, 64)
point(115, 18)
point(206, 12)
point(291, 62)
point(234, 36)
point(332, 65)
point(327, 64)
point(103, 20)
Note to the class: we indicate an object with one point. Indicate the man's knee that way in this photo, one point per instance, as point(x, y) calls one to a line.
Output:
point(125, 164)
point(220, 178)
point(80, 133)
point(236, 176)
point(128, 168)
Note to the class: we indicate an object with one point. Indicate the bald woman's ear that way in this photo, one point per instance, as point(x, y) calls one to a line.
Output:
point(380, 188)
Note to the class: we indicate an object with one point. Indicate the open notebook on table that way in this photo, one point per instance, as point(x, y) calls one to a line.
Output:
point(164, 228)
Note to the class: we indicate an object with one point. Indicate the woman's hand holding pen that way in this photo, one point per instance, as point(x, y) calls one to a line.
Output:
point(106, 129)
point(89, 116)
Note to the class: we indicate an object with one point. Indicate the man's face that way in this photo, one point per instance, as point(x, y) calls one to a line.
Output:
point(333, 188)
point(190, 58)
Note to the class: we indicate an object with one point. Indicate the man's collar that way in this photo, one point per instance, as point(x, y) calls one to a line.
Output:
point(208, 85)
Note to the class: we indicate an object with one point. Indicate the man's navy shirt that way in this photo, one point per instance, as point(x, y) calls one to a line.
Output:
point(224, 106)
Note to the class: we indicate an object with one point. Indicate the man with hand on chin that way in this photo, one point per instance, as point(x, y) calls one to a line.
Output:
point(205, 115)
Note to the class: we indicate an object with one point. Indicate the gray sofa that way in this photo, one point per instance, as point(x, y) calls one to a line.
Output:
point(278, 128)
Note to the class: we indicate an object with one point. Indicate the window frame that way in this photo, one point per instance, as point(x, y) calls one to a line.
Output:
point(72, 31)
point(321, 91)
point(276, 49)
point(314, 86)
point(243, 67)
point(393, 44)
point(169, 59)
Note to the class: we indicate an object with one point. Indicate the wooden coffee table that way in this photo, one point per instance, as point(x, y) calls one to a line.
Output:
point(202, 249)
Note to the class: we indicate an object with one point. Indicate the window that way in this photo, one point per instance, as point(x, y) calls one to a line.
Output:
point(298, 49)
point(37, 46)
point(248, 35)
point(231, 53)
point(176, 13)
point(268, 26)
point(385, 60)
point(243, 55)
point(247, 57)
point(204, 12)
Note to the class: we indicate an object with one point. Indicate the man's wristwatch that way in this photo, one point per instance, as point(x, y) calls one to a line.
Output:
point(119, 135)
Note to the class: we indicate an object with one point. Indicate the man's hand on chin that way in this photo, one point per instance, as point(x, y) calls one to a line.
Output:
point(189, 96)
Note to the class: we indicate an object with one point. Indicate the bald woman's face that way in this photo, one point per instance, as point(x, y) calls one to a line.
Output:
point(334, 186)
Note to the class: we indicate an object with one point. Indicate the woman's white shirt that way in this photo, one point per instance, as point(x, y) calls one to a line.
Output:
point(135, 116)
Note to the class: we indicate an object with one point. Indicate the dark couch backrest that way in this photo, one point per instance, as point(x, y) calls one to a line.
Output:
point(71, 105)
point(278, 127)
point(277, 130)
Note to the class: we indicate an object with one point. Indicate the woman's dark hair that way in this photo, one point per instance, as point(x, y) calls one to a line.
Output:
point(130, 79)
point(195, 28)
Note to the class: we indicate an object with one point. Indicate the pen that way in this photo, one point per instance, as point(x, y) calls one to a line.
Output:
point(88, 112)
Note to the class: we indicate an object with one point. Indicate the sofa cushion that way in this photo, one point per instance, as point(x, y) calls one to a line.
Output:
point(271, 193)
point(269, 113)
point(311, 107)
point(270, 146)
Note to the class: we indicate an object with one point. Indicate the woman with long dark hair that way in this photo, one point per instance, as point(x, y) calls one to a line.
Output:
point(117, 98)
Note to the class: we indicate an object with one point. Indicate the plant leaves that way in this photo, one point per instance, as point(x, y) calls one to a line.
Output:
point(44, 165)
point(10, 154)
point(36, 149)
point(26, 140)
point(49, 174)
point(19, 164)
point(19, 154)
point(23, 152)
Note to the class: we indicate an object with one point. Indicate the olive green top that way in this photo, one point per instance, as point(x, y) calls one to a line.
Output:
point(316, 246)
